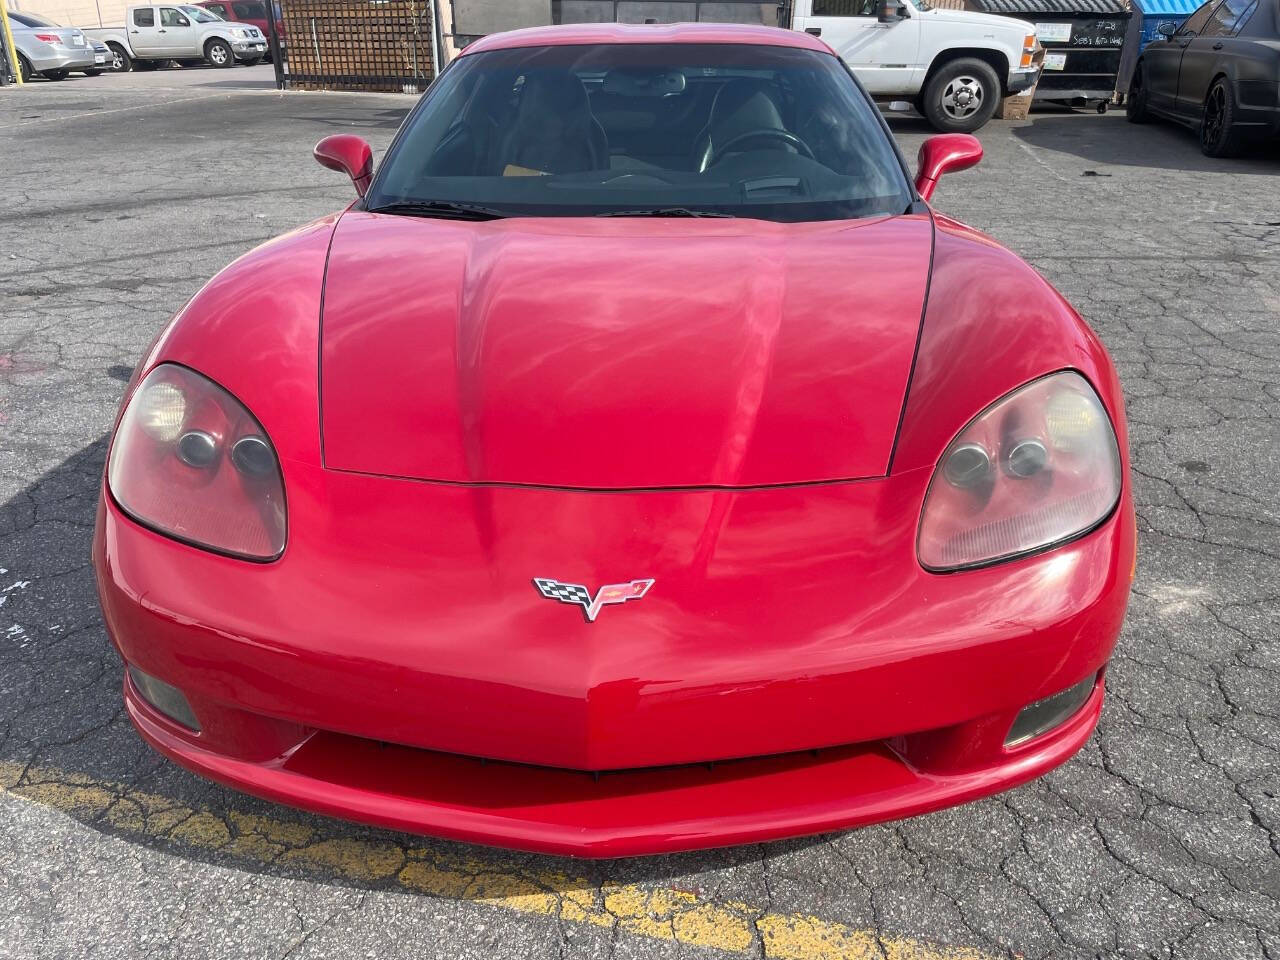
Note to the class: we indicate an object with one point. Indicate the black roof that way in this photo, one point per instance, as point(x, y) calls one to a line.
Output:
point(1070, 8)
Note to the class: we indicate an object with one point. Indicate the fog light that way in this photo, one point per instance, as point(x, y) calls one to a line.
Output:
point(165, 697)
point(1043, 715)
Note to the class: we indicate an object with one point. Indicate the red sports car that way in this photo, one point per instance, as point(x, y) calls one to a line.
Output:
point(639, 464)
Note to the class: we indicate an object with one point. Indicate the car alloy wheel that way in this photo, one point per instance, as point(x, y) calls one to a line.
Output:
point(117, 61)
point(219, 55)
point(1213, 127)
point(963, 97)
point(1135, 104)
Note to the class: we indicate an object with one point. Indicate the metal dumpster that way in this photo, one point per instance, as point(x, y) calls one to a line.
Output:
point(1082, 39)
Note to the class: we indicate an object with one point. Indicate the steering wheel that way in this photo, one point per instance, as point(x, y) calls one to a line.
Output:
point(786, 136)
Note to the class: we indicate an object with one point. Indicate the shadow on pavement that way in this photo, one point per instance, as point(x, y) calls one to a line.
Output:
point(1110, 139)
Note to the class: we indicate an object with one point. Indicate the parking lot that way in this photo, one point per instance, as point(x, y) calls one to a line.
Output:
point(122, 195)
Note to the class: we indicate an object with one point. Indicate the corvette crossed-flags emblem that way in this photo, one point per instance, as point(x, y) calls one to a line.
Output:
point(591, 606)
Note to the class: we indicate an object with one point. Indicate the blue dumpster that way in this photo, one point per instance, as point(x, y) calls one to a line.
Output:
point(1156, 12)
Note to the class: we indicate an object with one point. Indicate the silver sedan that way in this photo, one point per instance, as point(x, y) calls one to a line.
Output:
point(48, 49)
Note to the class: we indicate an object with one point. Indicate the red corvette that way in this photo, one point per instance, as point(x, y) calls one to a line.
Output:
point(639, 464)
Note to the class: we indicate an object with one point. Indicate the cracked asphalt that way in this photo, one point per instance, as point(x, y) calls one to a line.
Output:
point(1160, 839)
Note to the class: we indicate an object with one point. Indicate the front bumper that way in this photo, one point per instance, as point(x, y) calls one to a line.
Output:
point(1022, 79)
point(246, 49)
point(358, 674)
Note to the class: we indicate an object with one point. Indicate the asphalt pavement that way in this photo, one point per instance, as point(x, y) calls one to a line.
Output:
point(120, 196)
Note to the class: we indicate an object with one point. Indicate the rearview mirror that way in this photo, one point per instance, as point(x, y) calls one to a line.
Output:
point(945, 153)
point(349, 154)
point(1166, 30)
point(890, 11)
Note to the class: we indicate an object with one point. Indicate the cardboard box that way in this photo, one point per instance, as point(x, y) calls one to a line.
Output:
point(1018, 106)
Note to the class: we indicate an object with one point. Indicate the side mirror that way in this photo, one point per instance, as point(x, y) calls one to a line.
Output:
point(184, 22)
point(890, 11)
point(945, 153)
point(349, 154)
point(1166, 30)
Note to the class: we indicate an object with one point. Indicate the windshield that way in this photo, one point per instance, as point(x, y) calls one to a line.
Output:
point(675, 129)
point(200, 15)
point(31, 20)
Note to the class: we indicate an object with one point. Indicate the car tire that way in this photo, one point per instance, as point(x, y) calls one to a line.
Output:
point(1135, 103)
point(120, 60)
point(55, 74)
point(961, 95)
point(1219, 134)
point(218, 53)
point(24, 69)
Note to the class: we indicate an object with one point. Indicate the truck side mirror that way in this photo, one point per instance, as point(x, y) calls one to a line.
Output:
point(349, 154)
point(945, 153)
point(1166, 30)
point(890, 11)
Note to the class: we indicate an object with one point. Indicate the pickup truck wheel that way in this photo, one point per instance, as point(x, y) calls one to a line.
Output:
point(961, 95)
point(120, 61)
point(55, 74)
point(218, 53)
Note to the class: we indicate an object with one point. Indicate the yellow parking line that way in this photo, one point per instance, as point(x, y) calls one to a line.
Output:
point(661, 913)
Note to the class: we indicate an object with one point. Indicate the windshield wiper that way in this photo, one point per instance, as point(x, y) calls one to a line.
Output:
point(666, 212)
point(444, 209)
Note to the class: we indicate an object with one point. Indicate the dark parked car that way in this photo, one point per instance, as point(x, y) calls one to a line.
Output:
point(1218, 72)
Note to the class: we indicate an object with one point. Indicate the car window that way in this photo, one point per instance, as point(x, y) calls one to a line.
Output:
point(170, 17)
point(1195, 23)
point(844, 8)
point(250, 11)
point(218, 9)
point(30, 20)
point(144, 17)
point(1228, 17)
point(775, 133)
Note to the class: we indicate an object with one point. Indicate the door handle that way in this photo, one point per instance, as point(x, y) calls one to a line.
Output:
point(816, 31)
point(1218, 45)
point(160, 31)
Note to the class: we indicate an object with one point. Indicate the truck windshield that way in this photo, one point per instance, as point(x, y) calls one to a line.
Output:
point(675, 129)
point(200, 15)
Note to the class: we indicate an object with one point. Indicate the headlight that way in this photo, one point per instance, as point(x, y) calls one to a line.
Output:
point(1038, 467)
point(238, 33)
point(189, 461)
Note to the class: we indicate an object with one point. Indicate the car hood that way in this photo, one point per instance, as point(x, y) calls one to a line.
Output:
point(1009, 24)
point(619, 353)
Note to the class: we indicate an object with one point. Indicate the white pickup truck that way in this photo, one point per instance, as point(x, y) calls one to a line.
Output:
point(953, 65)
point(152, 34)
